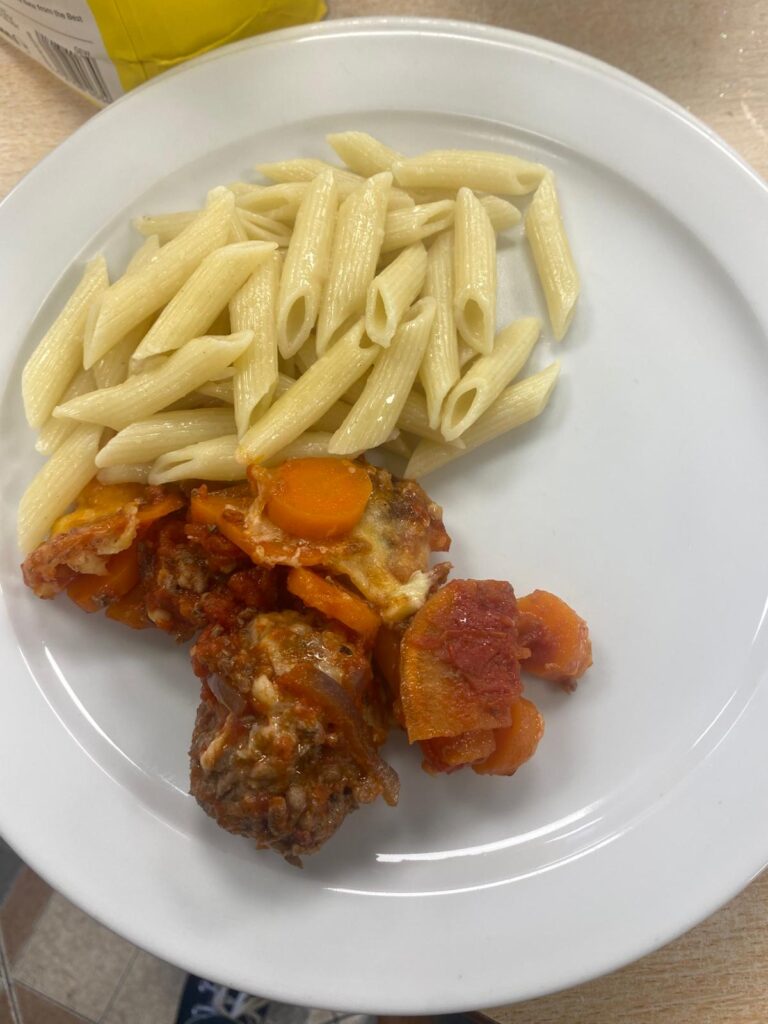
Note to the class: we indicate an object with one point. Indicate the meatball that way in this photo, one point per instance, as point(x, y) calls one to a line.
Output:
point(281, 751)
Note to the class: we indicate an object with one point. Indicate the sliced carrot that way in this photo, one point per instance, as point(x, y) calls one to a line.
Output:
point(556, 636)
point(130, 609)
point(459, 660)
point(96, 501)
point(91, 592)
point(225, 509)
point(335, 601)
point(449, 753)
point(164, 505)
point(318, 499)
point(514, 743)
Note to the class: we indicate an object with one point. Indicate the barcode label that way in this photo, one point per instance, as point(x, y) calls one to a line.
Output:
point(76, 68)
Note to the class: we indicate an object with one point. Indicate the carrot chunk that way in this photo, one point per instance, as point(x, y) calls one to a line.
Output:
point(225, 509)
point(335, 601)
point(514, 743)
point(131, 609)
point(91, 592)
point(318, 499)
point(449, 753)
point(556, 636)
point(459, 660)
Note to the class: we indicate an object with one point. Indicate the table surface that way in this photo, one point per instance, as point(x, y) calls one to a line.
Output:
point(712, 57)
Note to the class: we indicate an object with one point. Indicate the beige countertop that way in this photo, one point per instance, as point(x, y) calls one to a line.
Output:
point(712, 57)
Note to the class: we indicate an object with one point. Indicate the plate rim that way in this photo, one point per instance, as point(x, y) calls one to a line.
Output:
point(353, 26)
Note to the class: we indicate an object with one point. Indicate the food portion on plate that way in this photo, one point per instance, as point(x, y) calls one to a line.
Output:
point(207, 419)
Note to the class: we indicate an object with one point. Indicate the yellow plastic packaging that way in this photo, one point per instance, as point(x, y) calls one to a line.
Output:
point(103, 48)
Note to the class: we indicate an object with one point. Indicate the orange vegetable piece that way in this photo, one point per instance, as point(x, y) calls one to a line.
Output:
point(448, 754)
point(130, 609)
point(165, 504)
point(96, 501)
point(225, 509)
point(459, 661)
point(335, 601)
point(318, 499)
point(516, 743)
point(556, 636)
point(91, 592)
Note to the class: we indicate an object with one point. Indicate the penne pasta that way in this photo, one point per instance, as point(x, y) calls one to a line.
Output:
point(164, 432)
point(136, 473)
point(404, 227)
point(498, 173)
point(56, 485)
point(440, 367)
point(222, 390)
point(414, 419)
point(260, 228)
point(487, 377)
point(520, 403)
point(374, 415)
point(501, 214)
point(53, 432)
point(203, 296)
point(307, 264)
point(362, 153)
point(392, 291)
point(237, 232)
point(357, 239)
point(307, 168)
point(552, 255)
point(474, 300)
point(165, 226)
point(147, 393)
point(114, 366)
point(59, 354)
point(279, 202)
point(254, 308)
point(135, 296)
point(310, 397)
point(146, 251)
point(213, 459)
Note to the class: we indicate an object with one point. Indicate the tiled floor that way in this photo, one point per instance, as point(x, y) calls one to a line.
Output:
point(59, 966)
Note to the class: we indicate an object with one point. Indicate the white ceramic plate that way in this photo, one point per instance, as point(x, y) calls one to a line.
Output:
point(640, 497)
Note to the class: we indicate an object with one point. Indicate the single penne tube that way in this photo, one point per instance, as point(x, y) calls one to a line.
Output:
point(307, 168)
point(59, 354)
point(305, 357)
point(53, 432)
point(520, 403)
point(498, 173)
point(552, 255)
point(414, 419)
point(203, 296)
point(254, 308)
point(260, 228)
point(165, 226)
point(56, 485)
point(501, 214)
point(474, 300)
point(307, 263)
point(146, 251)
point(135, 473)
point(164, 432)
point(440, 367)
point(221, 390)
point(136, 296)
point(237, 232)
point(213, 459)
point(374, 415)
point(392, 291)
point(279, 202)
point(115, 365)
point(147, 393)
point(311, 396)
point(487, 377)
point(311, 445)
point(404, 227)
point(357, 238)
point(362, 153)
